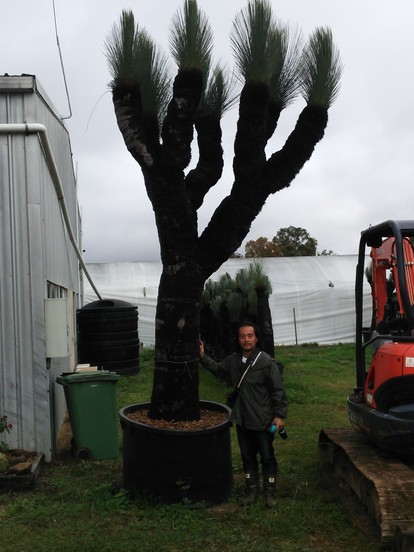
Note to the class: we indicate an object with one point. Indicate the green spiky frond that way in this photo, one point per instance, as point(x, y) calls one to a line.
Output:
point(134, 59)
point(284, 82)
point(253, 277)
point(120, 47)
point(191, 39)
point(245, 283)
point(224, 285)
point(234, 304)
point(258, 275)
point(321, 69)
point(250, 40)
point(218, 96)
point(265, 52)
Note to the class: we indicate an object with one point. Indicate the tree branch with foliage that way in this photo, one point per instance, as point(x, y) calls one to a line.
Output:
point(157, 120)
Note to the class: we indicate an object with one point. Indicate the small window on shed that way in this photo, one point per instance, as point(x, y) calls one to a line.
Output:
point(55, 291)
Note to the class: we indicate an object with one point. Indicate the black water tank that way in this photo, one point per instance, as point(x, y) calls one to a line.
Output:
point(108, 336)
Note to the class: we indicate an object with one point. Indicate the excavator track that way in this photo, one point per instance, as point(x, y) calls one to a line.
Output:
point(383, 483)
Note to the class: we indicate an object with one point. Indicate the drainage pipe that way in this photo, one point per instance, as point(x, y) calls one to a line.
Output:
point(40, 130)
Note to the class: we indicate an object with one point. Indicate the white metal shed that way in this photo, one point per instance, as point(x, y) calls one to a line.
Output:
point(40, 278)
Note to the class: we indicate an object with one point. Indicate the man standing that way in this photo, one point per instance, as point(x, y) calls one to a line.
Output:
point(261, 403)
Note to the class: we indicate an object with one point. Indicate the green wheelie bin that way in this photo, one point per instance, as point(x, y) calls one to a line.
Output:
point(92, 409)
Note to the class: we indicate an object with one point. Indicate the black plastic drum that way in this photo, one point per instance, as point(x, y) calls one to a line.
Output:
point(108, 336)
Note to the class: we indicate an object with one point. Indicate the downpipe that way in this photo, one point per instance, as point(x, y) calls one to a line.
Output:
point(40, 130)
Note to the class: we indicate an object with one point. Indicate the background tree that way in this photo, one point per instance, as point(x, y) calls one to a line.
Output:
point(288, 242)
point(295, 242)
point(261, 247)
point(272, 69)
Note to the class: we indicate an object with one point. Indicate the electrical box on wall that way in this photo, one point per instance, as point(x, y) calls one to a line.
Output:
point(57, 333)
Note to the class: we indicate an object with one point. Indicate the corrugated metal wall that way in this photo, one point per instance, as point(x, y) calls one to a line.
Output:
point(34, 250)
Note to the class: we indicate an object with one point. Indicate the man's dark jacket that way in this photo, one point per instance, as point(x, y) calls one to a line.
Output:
point(262, 394)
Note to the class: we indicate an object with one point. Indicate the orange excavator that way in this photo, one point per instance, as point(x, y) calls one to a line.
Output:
point(376, 461)
point(382, 404)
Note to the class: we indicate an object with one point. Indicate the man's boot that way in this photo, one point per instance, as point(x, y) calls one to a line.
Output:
point(270, 490)
point(252, 488)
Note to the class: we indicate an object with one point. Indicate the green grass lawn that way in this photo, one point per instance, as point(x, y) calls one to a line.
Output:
point(78, 505)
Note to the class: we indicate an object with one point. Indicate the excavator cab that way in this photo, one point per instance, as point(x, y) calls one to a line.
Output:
point(382, 404)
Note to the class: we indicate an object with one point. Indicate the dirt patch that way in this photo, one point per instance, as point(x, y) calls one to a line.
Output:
point(208, 419)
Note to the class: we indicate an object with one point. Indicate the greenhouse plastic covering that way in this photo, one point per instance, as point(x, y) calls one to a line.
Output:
point(312, 298)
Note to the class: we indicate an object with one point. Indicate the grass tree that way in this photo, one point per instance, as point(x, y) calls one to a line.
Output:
point(228, 301)
point(158, 120)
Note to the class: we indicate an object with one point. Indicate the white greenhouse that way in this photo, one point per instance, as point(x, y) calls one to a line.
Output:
point(312, 298)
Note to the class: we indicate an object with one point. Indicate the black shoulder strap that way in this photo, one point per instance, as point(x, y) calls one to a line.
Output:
point(251, 363)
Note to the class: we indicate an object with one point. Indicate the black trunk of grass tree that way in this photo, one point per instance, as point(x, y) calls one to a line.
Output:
point(160, 141)
point(264, 321)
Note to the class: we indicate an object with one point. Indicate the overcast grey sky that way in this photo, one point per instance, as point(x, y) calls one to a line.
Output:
point(360, 174)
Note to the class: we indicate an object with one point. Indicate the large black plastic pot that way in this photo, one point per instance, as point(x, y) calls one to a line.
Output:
point(177, 465)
